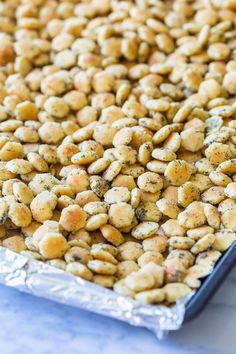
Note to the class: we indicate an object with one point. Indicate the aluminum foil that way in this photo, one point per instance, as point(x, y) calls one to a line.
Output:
point(43, 280)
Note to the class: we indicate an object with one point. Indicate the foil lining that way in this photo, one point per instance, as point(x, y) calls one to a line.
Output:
point(43, 280)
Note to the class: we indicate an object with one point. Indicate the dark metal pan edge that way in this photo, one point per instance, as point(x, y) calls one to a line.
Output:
point(211, 284)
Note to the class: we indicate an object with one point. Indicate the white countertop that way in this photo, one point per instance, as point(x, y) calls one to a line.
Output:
point(30, 325)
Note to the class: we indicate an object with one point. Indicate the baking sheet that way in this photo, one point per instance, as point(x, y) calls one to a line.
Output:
point(43, 280)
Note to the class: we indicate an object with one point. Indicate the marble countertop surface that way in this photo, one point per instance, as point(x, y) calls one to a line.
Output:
point(30, 325)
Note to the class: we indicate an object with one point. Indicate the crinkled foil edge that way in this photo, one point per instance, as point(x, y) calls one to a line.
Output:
point(43, 280)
